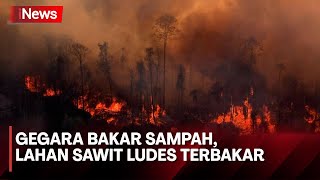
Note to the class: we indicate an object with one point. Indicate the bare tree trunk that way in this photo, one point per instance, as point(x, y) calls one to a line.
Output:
point(82, 82)
point(110, 84)
point(164, 73)
point(157, 83)
point(279, 100)
point(151, 91)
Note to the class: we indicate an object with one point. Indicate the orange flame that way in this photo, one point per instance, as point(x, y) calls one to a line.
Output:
point(240, 117)
point(268, 120)
point(85, 105)
point(51, 92)
point(32, 83)
point(155, 115)
point(115, 107)
point(312, 114)
point(312, 118)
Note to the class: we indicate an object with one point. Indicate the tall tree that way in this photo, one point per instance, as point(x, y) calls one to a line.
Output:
point(131, 74)
point(105, 66)
point(281, 67)
point(58, 56)
point(80, 52)
point(157, 89)
point(150, 63)
point(194, 94)
point(123, 58)
point(181, 84)
point(251, 49)
point(165, 27)
point(141, 85)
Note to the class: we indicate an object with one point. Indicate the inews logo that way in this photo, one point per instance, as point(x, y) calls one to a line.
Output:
point(36, 14)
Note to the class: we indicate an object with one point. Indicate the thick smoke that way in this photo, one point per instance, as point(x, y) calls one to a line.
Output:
point(212, 31)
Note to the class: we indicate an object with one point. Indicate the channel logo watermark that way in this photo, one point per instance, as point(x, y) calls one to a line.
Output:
point(36, 14)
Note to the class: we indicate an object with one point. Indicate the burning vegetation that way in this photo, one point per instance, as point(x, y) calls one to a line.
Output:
point(242, 118)
point(173, 82)
point(104, 100)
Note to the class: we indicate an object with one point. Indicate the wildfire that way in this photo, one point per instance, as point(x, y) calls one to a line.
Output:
point(100, 107)
point(32, 83)
point(312, 114)
point(240, 117)
point(83, 105)
point(154, 117)
point(312, 118)
point(51, 92)
point(110, 120)
point(115, 106)
point(268, 120)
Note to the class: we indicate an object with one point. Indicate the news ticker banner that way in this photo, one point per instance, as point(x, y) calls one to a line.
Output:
point(179, 154)
point(36, 14)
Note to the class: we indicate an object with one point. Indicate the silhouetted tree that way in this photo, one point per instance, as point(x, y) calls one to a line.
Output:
point(195, 95)
point(251, 49)
point(80, 52)
point(157, 89)
point(149, 59)
point(58, 63)
point(131, 75)
point(105, 66)
point(181, 84)
point(281, 67)
point(123, 58)
point(216, 91)
point(165, 27)
point(141, 84)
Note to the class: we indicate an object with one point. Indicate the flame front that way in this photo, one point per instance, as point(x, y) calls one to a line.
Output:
point(240, 117)
point(99, 107)
point(32, 83)
point(52, 92)
point(156, 114)
point(115, 106)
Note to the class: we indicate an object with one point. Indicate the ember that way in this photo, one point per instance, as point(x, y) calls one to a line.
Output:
point(312, 114)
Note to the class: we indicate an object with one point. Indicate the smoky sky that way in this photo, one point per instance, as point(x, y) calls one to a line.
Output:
point(211, 31)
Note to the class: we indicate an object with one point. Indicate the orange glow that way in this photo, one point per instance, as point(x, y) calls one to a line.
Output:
point(115, 107)
point(32, 83)
point(78, 103)
point(51, 92)
point(110, 120)
point(317, 129)
point(251, 91)
point(312, 118)
point(268, 120)
point(240, 117)
point(312, 114)
point(156, 114)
